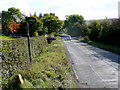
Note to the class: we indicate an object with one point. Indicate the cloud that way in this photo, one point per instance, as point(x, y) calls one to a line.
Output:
point(21, 4)
point(90, 9)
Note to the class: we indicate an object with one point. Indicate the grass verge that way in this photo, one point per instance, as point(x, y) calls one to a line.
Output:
point(6, 38)
point(50, 69)
point(103, 46)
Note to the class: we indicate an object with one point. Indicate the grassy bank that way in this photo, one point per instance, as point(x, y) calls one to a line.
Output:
point(103, 46)
point(50, 69)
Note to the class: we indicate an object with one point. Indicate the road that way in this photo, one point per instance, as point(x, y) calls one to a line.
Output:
point(93, 67)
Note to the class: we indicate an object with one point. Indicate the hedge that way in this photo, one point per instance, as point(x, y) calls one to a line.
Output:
point(14, 54)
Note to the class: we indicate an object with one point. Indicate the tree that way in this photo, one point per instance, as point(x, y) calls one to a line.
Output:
point(51, 23)
point(9, 17)
point(13, 26)
point(16, 14)
point(35, 14)
point(40, 16)
point(95, 28)
point(114, 33)
point(73, 25)
point(75, 18)
point(34, 27)
point(106, 31)
point(22, 28)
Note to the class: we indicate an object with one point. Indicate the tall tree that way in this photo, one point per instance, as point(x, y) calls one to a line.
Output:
point(10, 18)
point(51, 23)
point(35, 14)
point(73, 24)
point(40, 16)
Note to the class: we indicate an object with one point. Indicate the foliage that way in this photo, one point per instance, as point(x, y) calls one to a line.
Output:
point(35, 27)
point(51, 23)
point(105, 31)
point(12, 16)
point(74, 25)
point(13, 26)
point(103, 46)
point(44, 24)
point(22, 28)
point(74, 18)
point(14, 23)
point(17, 15)
point(94, 30)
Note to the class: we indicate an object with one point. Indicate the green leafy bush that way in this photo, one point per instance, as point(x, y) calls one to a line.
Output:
point(105, 31)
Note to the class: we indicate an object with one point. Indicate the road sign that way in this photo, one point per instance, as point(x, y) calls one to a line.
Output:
point(29, 20)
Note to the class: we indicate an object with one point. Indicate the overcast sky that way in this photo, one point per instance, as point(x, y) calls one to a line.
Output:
point(89, 9)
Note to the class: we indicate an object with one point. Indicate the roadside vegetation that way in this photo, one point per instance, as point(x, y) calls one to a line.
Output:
point(105, 32)
point(14, 23)
point(102, 46)
point(51, 69)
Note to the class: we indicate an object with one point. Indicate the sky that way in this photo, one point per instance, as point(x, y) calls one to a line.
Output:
point(89, 9)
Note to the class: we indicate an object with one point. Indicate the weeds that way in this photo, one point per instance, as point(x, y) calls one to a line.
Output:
point(50, 69)
point(103, 46)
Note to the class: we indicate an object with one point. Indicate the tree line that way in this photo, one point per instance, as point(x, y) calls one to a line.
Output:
point(14, 23)
point(105, 31)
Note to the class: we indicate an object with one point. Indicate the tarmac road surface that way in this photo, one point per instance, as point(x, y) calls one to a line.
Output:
point(93, 67)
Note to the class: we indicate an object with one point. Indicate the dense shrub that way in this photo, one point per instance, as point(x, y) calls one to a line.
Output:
point(15, 56)
point(75, 25)
point(106, 31)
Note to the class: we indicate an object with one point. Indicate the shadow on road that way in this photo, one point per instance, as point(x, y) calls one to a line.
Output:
point(111, 56)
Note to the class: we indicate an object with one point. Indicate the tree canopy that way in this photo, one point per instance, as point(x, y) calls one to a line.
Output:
point(74, 24)
point(11, 20)
point(51, 23)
